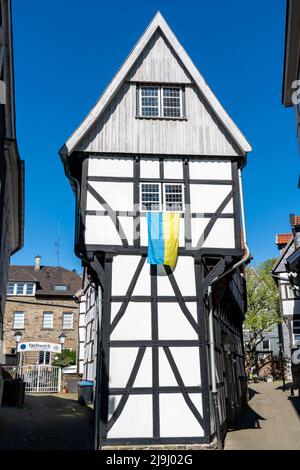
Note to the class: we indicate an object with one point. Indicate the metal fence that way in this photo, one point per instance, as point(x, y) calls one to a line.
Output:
point(38, 378)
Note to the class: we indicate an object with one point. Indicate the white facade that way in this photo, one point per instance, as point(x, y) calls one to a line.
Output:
point(152, 373)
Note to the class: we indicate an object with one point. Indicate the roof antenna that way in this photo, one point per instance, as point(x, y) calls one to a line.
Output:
point(57, 246)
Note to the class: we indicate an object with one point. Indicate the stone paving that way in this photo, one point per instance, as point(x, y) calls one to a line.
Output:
point(270, 421)
point(47, 422)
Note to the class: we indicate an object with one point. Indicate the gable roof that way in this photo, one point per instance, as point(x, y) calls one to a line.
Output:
point(158, 23)
point(46, 277)
point(279, 266)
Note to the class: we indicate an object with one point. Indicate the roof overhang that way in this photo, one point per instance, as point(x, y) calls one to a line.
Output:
point(292, 50)
point(158, 23)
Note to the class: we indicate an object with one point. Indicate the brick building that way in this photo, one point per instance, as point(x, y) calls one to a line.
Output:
point(40, 305)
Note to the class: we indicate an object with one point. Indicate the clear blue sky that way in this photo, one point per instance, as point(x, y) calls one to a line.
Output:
point(66, 51)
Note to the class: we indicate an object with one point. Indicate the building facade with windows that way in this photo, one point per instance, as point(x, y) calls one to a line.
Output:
point(41, 306)
point(286, 273)
point(159, 147)
point(11, 166)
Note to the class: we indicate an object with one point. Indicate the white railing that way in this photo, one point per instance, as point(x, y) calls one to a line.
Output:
point(38, 378)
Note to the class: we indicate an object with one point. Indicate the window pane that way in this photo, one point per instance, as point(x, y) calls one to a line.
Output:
point(149, 101)
point(60, 287)
point(10, 288)
point(68, 321)
point(150, 197)
point(171, 102)
point(20, 288)
point(296, 337)
point(173, 198)
point(18, 322)
point(48, 320)
point(29, 288)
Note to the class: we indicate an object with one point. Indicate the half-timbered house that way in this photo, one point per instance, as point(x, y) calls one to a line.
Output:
point(169, 339)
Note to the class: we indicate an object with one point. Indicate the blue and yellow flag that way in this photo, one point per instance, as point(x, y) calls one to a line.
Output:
point(163, 237)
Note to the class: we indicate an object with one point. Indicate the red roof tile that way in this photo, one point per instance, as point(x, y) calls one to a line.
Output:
point(283, 238)
point(295, 219)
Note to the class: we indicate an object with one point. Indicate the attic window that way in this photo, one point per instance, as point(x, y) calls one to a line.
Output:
point(60, 287)
point(161, 102)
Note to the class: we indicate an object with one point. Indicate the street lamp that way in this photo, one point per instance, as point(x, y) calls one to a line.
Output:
point(62, 339)
point(18, 336)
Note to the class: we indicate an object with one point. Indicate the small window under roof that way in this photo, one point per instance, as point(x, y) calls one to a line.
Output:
point(60, 287)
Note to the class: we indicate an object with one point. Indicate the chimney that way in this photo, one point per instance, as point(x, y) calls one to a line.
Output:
point(37, 263)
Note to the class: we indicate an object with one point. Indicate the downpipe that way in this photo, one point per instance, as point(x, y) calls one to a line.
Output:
point(211, 337)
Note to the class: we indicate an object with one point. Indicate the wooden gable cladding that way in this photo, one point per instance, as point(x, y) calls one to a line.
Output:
point(158, 63)
point(119, 129)
point(112, 125)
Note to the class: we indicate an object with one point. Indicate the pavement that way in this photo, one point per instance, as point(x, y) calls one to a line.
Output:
point(270, 421)
point(55, 422)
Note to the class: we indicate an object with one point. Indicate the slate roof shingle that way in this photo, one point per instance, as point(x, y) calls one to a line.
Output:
point(46, 278)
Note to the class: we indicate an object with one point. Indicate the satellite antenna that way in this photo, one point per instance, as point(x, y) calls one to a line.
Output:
point(57, 246)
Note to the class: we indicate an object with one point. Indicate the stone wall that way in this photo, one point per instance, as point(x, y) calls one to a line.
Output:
point(33, 325)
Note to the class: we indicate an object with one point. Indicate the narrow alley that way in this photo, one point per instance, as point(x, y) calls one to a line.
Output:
point(270, 421)
point(47, 422)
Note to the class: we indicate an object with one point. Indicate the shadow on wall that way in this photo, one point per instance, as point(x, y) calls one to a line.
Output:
point(248, 419)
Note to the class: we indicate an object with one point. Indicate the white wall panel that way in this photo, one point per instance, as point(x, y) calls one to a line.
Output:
point(181, 423)
point(149, 169)
point(207, 198)
point(135, 420)
point(290, 307)
point(118, 195)
point(121, 364)
point(135, 323)
point(143, 285)
point(101, 230)
point(173, 169)
point(166, 376)
point(110, 167)
point(172, 323)
point(222, 235)
point(123, 270)
point(184, 274)
point(210, 170)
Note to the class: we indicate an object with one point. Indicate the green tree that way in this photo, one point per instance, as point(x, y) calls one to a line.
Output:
point(263, 309)
point(65, 359)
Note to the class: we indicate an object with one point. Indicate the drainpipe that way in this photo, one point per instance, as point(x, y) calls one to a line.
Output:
point(213, 370)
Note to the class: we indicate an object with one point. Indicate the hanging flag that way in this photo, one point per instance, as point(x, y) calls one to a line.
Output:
point(163, 237)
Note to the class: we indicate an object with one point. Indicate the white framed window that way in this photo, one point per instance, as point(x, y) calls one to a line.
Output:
point(10, 288)
point(149, 101)
point(173, 197)
point(21, 288)
point(18, 320)
point(172, 102)
point(289, 292)
point(160, 101)
point(48, 320)
point(67, 321)
point(44, 357)
point(150, 197)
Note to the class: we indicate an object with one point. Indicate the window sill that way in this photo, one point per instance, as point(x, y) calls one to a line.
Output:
point(162, 118)
point(47, 329)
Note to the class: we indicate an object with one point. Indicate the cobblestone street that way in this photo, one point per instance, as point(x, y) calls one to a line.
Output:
point(270, 421)
point(47, 422)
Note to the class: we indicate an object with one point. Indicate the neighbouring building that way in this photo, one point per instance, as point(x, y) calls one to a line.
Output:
point(157, 146)
point(41, 305)
point(286, 273)
point(11, 166)
point(291, 75)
